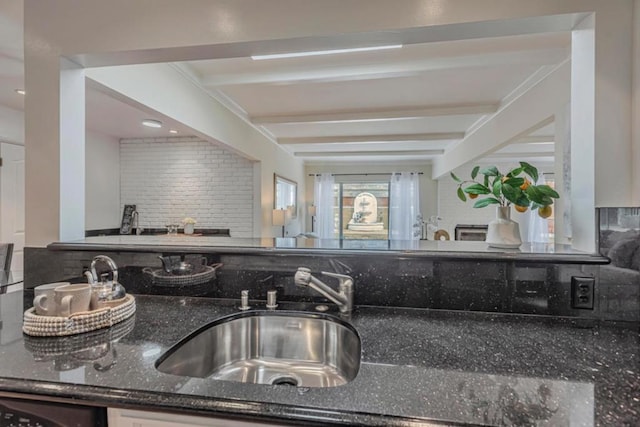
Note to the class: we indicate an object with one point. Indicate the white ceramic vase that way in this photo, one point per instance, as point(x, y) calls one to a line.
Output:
point(503, 232)
point(188, 228)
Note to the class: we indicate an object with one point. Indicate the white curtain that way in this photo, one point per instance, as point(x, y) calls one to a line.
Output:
point(404, 206)
point(324, 202)
point(538, 226)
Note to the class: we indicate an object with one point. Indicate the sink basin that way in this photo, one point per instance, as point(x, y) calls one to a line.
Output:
point(286, 348)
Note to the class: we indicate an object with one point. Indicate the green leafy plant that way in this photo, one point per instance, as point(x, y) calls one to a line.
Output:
point(514, 187)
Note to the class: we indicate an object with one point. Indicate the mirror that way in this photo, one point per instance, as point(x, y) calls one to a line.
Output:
point(285, 195)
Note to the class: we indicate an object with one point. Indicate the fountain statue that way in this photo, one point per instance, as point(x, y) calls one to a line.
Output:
point(365, 214)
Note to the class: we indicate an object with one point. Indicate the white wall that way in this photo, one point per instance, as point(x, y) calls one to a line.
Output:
point(11, 125)
point(453, 211)
point(169, 179)
point(428, 187)
point(206, 117)
point(102, 181)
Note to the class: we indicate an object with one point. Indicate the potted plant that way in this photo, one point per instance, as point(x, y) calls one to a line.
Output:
point(189, 224)
point(516, 187)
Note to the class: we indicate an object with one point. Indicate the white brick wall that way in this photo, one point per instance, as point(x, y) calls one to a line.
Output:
point(173, 178)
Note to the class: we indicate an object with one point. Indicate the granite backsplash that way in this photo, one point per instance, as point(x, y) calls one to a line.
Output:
point(490, 285)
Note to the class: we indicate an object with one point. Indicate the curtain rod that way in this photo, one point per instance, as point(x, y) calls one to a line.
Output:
point(362, 174)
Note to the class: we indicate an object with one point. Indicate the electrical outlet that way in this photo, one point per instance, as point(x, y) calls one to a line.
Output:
point(582, 292)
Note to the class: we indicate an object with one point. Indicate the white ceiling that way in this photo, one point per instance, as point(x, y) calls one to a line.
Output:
point(403, 104)
point(400, 105)
point(107, 114)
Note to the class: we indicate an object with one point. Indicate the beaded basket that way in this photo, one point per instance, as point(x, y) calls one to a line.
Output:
point(52, 326)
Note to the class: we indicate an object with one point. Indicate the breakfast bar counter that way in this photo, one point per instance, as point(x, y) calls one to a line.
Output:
point(441, 249)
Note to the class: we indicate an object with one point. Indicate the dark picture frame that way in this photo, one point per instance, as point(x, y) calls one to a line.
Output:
point(127, 213)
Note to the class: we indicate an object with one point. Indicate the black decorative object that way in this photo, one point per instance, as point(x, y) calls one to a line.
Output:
point(125, 227)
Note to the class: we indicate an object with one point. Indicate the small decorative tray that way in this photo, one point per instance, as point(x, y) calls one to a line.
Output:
point(52, 326)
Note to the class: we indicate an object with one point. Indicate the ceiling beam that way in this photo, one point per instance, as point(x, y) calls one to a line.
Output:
point(367, 153)
point(373, 138)
point(533, 139)
point(522, 155)
point(366, 115)
point(397, 65)
point(522, 115)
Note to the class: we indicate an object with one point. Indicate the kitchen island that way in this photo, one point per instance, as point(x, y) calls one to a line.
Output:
point(418, 366)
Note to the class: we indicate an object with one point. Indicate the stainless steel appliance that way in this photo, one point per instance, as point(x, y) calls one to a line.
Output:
point(35, 413)
point(471, 232)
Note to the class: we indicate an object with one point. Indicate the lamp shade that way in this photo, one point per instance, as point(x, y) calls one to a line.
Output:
point(279, 217)
point(313, 210)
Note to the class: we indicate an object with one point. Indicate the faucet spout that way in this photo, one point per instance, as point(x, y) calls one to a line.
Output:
point(343, 299)
point(135, 223)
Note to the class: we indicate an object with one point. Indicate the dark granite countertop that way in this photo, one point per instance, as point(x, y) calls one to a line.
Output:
point(417, 366)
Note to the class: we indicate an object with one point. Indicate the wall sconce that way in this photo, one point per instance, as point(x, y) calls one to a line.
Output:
point(312, 211)
point(279, 218)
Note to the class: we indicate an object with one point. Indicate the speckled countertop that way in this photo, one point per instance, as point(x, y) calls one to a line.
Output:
point(417, 366)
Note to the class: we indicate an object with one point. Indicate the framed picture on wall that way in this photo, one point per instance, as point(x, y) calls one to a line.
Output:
point(127, 213)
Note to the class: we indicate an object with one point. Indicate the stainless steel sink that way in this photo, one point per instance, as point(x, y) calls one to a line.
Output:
point(288, 348)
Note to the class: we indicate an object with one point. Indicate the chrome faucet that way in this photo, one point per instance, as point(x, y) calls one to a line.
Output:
point(344, 298)
point(135, 223)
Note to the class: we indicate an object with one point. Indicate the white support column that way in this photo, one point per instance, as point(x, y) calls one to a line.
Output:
point(54, 140)
point(72, 148)
point(583, 124)
point(635, 143)
point(562, 170)
point(42, 154)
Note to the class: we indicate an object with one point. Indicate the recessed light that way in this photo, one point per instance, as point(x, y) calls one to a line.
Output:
point(152, 123)
point(173, 131)
point(323, 52)
point(21, 91)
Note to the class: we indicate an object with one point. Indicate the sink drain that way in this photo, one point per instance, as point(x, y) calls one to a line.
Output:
point(285, 381)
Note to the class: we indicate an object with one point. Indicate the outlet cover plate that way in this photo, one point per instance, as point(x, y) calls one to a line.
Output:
point(582, 292)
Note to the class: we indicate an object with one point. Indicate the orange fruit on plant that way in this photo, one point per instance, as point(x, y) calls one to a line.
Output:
point(525, 184)
point(545, 211)
point(473, 196)
point(521, 208)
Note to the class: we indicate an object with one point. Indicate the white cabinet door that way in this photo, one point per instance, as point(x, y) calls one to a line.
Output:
point(131, 418)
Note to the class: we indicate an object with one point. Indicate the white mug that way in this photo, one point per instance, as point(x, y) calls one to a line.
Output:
point(44, 302)
point(72, 299)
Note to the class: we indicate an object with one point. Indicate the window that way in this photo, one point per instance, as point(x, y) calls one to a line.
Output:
point(362, 210)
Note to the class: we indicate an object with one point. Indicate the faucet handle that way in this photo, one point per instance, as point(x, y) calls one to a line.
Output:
point(343, 278)
point(302, 276)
